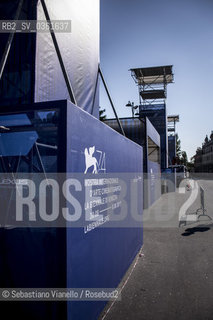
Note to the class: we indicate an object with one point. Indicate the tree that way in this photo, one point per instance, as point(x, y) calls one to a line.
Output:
point(184, 158)
point(102, 115)
point(191, 164)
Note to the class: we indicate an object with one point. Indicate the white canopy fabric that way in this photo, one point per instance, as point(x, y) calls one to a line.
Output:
point(79, 50)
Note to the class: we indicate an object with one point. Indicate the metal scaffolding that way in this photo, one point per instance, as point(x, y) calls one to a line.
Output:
point(152, 87)
point(171, 123)
point(152, 83)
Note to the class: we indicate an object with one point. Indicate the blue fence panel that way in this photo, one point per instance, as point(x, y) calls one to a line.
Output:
point(101, 257)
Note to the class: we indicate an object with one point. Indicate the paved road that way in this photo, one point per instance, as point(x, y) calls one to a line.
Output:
point(174, 277)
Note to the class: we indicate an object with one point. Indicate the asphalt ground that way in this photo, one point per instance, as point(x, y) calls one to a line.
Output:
point(173, 277)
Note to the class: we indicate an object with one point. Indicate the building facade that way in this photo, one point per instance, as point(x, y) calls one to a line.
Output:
point(203, 159)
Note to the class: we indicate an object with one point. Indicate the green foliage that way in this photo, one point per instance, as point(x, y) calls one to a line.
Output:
point(184, 158)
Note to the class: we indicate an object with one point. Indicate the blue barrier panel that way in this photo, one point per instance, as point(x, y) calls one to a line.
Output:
point(135, 130)
point(101, 257)
point(141, 131)
point(154, 181)
point(68, 140)
point(152, 132)
point(30, 257)
point(33, 258)
point(172, 149)
point(153, 163)
point(157, 115)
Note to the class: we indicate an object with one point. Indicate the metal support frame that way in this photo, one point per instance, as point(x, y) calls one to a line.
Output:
point(110, 99)
point(156, 82)
point(152, 86)
point(13, 166)
point(95, 91)
point(171, 123)
point(155, 148)
point(12, 169)
point(10, 41)
point(202, 208)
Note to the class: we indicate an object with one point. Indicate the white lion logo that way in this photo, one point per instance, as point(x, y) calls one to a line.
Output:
point(90, 161)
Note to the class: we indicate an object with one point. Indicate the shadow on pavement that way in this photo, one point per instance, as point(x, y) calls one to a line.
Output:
point(190, 231)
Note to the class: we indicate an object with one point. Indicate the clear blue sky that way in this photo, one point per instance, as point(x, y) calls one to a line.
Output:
point(145, 33)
